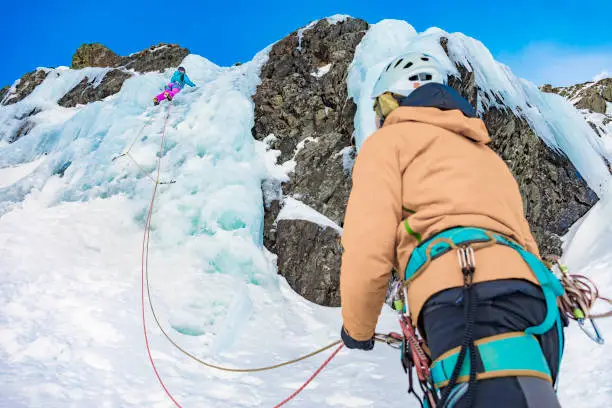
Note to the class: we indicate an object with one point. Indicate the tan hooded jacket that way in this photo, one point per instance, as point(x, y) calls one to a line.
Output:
point(433, 169)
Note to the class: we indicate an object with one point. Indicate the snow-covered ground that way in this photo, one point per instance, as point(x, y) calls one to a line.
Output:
point(70, 329)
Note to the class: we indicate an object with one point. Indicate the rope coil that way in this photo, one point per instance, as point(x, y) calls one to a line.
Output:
point(580, 296)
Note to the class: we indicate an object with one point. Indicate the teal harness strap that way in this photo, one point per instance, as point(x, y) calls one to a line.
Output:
point(550, 285)
point(503, 355)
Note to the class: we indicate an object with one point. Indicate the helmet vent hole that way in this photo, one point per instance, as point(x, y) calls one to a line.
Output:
point(398, 62)
point(388, 66)
point(425, 58)
point(428, 77)
point(408, 65)
point(414, 78)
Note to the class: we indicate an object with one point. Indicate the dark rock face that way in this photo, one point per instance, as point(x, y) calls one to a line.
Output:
point(593, 102)
point(566, 196)
point(156, 58)
point(24, 88)
point(302, 100)
point(589, 95)
point(4, 91)
point(309, 258)
point(86, 91)
point(23, 130)
point(94, 55)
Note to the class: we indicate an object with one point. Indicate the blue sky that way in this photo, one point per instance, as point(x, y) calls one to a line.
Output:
point(563, 41)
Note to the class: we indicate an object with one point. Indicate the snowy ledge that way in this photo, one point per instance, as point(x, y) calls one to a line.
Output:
point(296, 210)
point(321, 71)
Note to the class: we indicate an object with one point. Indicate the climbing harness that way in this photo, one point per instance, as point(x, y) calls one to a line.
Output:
point(478, 238)
point(453, 376)
point(502, 355)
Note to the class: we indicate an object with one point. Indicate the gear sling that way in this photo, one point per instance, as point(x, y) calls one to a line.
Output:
point(504, 355)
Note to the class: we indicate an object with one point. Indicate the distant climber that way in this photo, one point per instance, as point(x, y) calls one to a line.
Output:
point(430, 199)
point(178, 81)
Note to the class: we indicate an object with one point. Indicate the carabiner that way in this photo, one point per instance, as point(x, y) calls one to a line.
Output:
point(595, 335)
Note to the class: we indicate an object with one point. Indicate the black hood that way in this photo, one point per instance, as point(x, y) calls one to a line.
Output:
point(439, 96)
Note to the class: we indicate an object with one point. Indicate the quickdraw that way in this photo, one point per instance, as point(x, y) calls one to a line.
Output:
point(412, 346)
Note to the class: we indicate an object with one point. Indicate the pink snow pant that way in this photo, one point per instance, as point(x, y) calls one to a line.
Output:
point(172, 89)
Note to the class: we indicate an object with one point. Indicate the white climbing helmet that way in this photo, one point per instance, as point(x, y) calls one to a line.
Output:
point(407, 72)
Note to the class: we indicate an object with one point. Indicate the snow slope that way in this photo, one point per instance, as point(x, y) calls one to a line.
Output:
point(70, 330)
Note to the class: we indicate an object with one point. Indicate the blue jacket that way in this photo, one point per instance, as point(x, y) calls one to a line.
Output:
point(181, 79)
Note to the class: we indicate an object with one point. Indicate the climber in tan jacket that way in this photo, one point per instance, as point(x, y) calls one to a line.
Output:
point(426, 170)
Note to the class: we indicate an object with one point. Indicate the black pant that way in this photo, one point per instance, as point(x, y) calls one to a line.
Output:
point(502, 306)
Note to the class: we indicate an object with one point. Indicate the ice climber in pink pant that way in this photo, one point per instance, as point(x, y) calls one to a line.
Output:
point(178, 81)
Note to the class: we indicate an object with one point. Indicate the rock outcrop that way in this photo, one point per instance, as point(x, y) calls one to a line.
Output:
point(24, 87)
point(594, 99)
point(94, 55)
point(156, 58)
point(4, 91)
point(89, 91)
point(589, 95)
point(303, 102)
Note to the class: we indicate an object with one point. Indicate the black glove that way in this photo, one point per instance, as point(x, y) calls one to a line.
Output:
point(351, 343)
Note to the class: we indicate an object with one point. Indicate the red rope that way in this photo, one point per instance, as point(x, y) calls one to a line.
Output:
point(145, 250)
point(312, 377)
